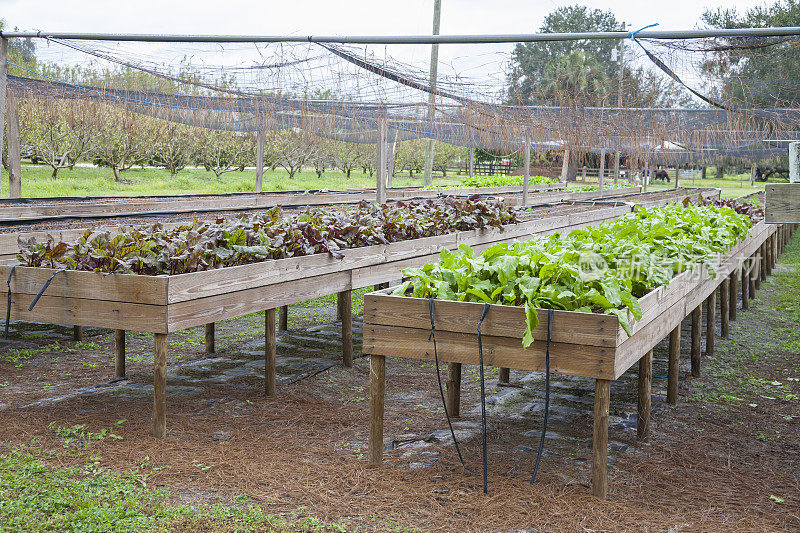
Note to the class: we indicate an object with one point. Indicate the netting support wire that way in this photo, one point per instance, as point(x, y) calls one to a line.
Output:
point(486, 307)
point(411, 39)
point(546, 394)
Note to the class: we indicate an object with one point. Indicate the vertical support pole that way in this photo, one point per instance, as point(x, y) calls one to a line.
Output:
point(697, 319)
point(601, 172)
point(347, 328)
point(677, 174)
point(380, 163)
point(3, 87)
point(260, 141)
point(602, 400)
point(454, 389)
point(471, 161)
point(583, 172)
point(711, 323)
point(377, 391)
point(77, 333)
point(427, 176)
point(734, 287)
point(119, 353)
point(526, 175)
point(390, 164)
point(160, 387)
point(646, 176)
point(724, 307)
point(210, 347)
point(504, 375)
point(763, 268)
point(645, 398)
point(673, 371)
point(746, 284)
point(14, 164)
point(283, 318)
point(565, 164)
point(270, 350)
point(769, 247)
point(753, 275)
point(757, 273)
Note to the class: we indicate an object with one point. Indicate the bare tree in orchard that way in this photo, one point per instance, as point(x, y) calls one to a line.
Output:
point(345, 156)
point(173, 146)
point(123, 139)
point(224, 151)
point(59, 131)
point(293, 150)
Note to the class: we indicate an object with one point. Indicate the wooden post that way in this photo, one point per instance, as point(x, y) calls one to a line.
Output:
point(14, 165)
point(210, 348)
point(565, 165)
point(645, 399)
point(261, 139)
point(677, 173)
point(601, 172)
point(734, 287)
point(673, 371)
point(753, 275)
point(746, 284)
point(347, 328)
point(283, 318)
point(377, 391)
point(762, 267)
point(646, 176)
point(711, 323)
point(160, 387)
point(602, 400)
point(724, 307)
point(77, 333)
point(3, 87)
point(269, 353)
point(526, 174)
point(390, 164)
point(471, 161)
point(454, 389)
point(380, 166)
point(504, 375)
point(119, 353)
point(697, 319)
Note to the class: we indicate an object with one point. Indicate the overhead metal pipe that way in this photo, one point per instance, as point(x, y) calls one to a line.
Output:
point(411, 39)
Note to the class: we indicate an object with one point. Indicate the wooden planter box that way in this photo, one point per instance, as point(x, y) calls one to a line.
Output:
point(166, 304)
point(582, 344)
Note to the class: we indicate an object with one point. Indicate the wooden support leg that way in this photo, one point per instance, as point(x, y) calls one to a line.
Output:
point(752, 276)
point(339, 306)
point(505, 375)
point(454, 389)
point(724, 305)
point(711, 323)
point(734, 288)
point(763, 265)
point(119, 353)
point(674, 365)
point(347, 328)
point(269, 352)
point(283, 318)
point(77, 333)
point(645, 387)
point(746, 285)
point(602, 400)
point(377, 391)
point(160, 387)
point(770, 254)
point(757, 273)
point(210, 348)
point(697, 319)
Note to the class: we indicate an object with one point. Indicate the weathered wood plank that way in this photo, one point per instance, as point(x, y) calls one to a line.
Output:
point(602, 401)
point(413, 343)
point(160, 387)
point(673, 371)
point(645, 380)
point(87, 285)
point(501, 321)
point(782, 204)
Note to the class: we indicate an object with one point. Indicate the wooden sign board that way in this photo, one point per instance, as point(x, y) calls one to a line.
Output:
point(782, 204)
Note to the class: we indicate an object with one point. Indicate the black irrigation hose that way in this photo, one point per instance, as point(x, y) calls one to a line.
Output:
point(44, 288)
point(546, 393)
point(486, 307)
point(432, 336)
point(8, 307)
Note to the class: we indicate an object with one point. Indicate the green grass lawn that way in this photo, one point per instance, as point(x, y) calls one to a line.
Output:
point(90, 181)
point(733, 186)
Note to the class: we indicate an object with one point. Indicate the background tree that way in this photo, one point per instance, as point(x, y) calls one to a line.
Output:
point(445, 156)
point(122, 139)
point(410, 155)
point(223, 151)
point(172, 146)
point(293, 149)
point(345, 156)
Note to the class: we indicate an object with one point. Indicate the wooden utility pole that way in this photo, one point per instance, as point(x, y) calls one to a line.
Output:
point(526, 175)
point(14, 155)
point(3, 86)
point(260, 160)
point(428, 168)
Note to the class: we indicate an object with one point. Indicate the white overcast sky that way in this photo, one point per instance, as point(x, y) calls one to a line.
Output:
point(338, 17)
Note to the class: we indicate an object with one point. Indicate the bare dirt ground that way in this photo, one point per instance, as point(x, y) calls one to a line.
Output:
point(727, 458)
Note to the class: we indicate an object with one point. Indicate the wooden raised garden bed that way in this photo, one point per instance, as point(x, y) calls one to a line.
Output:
point(582, 344)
